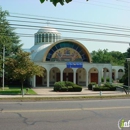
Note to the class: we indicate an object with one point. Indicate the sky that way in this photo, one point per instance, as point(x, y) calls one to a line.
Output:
point(109, 18)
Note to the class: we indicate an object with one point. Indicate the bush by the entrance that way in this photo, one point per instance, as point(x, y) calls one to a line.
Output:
point(67, 86)
point(92, 85)
point(102, 88)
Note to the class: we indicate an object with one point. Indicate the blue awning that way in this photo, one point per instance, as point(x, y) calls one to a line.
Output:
point(74, 65)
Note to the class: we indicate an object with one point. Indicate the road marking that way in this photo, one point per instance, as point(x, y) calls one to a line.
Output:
point(60, 110)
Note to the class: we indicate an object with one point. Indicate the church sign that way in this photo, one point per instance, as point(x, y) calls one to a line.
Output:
point(74, 65)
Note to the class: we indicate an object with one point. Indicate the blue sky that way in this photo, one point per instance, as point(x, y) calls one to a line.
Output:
point(103, 12)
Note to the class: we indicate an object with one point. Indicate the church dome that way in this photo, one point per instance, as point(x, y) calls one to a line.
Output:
point(46, 35)
point(47, 30)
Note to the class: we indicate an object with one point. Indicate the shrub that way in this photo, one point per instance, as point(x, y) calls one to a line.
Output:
point(90, 86)
point(58, 85)
point(107, 79)
point(101, 88)
point(68, 83)
point(67, 86)
point(108, 85)
point(77, 88)
point(102, 79)
point(63, 89)
point(70, 89)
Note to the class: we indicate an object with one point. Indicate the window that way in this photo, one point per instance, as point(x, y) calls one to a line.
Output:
point(50, 38)
point(42, 37)
point(46, 37)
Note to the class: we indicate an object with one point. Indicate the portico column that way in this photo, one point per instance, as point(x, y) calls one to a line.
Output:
point(116, 76)
point(34, 81)
point(99, 77)
point(74, 76)
point(105, 75)
point(48, 78)
point(61, 75)
point(110, 76)
point(86, 79)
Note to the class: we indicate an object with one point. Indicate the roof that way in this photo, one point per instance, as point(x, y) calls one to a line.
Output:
point(47, 29)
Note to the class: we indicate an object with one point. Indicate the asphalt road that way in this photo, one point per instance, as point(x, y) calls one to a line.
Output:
point(64, 115)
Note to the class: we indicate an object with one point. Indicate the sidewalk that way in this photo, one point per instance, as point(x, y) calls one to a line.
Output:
point(48, 92)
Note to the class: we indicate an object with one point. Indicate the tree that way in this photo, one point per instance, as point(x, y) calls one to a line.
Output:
point(57, 1)
point(101, 56)
point(20, 67)
point(113, 57)
point(125, 76)
point(8, 38)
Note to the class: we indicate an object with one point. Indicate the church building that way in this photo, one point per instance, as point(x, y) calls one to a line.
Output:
point(67, 60)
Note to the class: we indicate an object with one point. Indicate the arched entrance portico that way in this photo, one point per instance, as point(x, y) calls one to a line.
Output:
point(93, 75)
point(68, 74)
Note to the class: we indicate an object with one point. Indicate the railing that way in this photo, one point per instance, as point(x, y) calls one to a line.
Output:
point(125, 88)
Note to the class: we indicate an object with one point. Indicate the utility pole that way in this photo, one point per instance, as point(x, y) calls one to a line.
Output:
point(3, 81)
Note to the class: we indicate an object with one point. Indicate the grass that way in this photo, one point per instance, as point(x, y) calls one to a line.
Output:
point(35, 99)
point(15, 91)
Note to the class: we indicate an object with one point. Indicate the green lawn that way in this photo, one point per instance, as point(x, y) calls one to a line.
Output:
point(15, 91)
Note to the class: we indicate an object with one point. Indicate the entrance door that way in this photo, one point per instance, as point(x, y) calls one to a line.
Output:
point(70, 77)
point(94, 77)
point(38, 80)
point(57, 77)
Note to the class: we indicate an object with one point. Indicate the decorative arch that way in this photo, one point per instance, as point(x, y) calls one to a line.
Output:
point(72, 44)
point(93, 74)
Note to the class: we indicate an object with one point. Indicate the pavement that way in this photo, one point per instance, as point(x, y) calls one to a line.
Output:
point(48, 92)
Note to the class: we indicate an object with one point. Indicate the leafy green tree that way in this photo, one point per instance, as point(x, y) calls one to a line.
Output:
point(57, 1)
point(125, 77)
point(101, 56)
point(8, 38)
point(113, 57)
point(20, 67)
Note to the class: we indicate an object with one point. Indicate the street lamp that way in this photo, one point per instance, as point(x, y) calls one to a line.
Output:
point(128, 61)
point(3, 82)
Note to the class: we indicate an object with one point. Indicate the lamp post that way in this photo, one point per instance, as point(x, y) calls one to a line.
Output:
point(128, 61)
point(3, 81)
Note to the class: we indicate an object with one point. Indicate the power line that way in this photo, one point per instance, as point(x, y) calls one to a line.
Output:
point(77, 31)
point(36, 17)
point(79, 26)
point(76, 38)
point(70, 22)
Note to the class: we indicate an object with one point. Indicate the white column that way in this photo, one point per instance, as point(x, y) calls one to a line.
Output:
point(99, 77)
point(61, 75)
point(110, 76)
point(74, 76)
point(34, 81)
point(41, 37)
point(48, 78)
point(86, 79)
point(116, 74)
point(104, 75)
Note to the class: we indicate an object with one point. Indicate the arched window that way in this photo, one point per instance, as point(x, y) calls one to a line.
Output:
point(50, 38)
point(39, 37)
point(36, 38)
point(53, 37)
point(42, 37)
point(46, 37)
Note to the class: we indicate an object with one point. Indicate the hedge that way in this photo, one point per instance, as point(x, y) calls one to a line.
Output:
point(90, 86)
point(102, 88)
point(67, 86)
